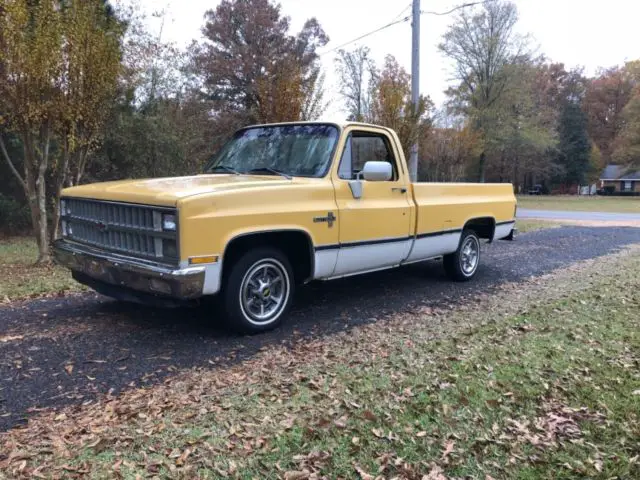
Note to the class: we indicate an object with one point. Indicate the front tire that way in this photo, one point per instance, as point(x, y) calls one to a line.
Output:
point(258, 291)
point(462, 265)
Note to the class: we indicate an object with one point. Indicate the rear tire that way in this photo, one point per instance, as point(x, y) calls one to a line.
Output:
point(462, 265)
point(258, 291)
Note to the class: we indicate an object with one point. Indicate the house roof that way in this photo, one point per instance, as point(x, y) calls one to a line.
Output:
point(618, 172)
point(631, 176)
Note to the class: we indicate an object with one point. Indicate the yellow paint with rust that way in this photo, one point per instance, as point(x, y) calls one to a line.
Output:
point(214, 209)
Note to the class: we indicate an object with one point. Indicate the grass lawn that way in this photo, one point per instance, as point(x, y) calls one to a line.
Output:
point(539, 380)
point(20, 278)
point(531, 225)
point(582, 203)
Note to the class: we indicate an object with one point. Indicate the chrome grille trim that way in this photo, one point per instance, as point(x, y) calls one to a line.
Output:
point(133, 229)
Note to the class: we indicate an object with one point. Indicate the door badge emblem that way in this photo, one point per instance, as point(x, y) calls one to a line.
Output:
point(330, 219)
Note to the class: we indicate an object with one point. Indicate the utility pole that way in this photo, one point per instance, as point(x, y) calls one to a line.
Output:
point(415, 83)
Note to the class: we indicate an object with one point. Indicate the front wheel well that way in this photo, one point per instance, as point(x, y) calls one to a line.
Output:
point(295, 244)
point(484, 227)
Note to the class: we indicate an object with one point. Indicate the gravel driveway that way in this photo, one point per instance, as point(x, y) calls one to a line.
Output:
point(62, 351)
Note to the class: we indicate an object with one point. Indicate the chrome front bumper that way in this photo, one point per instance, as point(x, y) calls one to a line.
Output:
point(96, 268)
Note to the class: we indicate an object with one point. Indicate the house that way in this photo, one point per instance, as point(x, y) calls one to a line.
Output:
point(617, 179)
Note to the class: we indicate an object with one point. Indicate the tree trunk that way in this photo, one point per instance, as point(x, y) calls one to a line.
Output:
point(61, 179)
point(30, 181)
point(482, 166)
point(516, 175)
point(44, 254)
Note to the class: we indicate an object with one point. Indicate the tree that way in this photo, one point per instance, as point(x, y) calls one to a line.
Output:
point(91, 56)
point(249, 60)
point(357, 74)
point(447, 150)
point(30, 95)
point(627, 143)
point(159, 125)
point(391, 104)
point(574, 148)
point(605, 99)
point(314, 101)
point(520, 128)
point(481, 45)
point(52, 89)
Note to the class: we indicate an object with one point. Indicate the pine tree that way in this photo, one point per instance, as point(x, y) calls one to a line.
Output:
point(574, 146)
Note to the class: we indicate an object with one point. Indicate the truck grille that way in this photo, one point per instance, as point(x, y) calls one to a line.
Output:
point(131, 229)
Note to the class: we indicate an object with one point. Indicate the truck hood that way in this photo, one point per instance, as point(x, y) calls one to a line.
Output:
point(168, 191)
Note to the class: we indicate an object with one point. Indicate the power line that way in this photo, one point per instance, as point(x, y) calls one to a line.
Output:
point(465, 5)
point(401, 20)
point(402, 12)
point(405, 19)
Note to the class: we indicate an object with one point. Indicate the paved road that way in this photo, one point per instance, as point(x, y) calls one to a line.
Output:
point(573, 215)
point(63, 351)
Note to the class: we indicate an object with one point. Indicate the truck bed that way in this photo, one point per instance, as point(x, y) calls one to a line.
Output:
point(443, 209)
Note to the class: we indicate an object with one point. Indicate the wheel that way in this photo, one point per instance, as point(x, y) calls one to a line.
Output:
point(462, 265)
point(258, 291)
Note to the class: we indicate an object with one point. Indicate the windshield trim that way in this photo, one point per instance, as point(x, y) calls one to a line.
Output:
point(324, 174)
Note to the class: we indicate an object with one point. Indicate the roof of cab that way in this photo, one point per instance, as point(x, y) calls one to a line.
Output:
point(343, 124)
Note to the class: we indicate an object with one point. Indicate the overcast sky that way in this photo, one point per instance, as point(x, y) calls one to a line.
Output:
point(588, 33)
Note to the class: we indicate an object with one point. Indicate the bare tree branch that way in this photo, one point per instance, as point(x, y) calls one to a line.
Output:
point(5, 154)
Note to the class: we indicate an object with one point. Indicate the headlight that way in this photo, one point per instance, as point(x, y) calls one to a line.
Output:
point(169, 222)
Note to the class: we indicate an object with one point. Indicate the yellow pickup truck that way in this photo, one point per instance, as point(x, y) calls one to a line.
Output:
point(278, 206)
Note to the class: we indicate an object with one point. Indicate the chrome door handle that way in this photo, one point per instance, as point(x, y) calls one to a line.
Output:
point(399, 189)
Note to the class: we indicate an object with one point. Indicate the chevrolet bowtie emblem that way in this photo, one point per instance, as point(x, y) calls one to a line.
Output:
point(330, 218)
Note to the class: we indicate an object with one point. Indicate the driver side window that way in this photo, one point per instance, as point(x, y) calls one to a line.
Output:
point(362, 147)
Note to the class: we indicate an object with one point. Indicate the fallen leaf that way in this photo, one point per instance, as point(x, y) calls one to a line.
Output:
point(434, 474)
point(421, 434)
point(69, 368)
point(296, 475)
point(9, 338)
point(448, 448)
point(341, 422)
point(182, 458)
point(364, 475)
point(369, 415)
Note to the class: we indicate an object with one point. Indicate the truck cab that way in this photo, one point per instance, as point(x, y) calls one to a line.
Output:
point(278, 206)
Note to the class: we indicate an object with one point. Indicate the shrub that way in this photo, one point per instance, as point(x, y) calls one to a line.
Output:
point(15, 218)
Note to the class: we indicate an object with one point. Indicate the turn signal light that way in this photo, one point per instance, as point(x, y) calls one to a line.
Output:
point(201, 260)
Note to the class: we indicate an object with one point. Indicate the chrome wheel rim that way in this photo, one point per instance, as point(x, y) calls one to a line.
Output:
point(264, 291)
point(469, 255)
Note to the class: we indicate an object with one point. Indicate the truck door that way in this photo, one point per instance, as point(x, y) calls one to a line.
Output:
point(375, 229)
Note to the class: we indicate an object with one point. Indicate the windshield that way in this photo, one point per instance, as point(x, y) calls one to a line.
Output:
point(296, 150)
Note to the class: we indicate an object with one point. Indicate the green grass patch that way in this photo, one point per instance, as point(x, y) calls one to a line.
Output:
point(531, 225)
point(551, 393)
point(580, 203)
point(21, 278)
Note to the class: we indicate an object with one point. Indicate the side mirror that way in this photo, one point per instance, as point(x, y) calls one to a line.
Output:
point(371, 172)
point(377, 171)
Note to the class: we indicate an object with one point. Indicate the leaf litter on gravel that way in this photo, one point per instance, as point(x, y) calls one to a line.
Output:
point(528, 381)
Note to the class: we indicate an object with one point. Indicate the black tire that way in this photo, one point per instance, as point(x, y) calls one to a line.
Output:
point(455, 264)
point(240, 316)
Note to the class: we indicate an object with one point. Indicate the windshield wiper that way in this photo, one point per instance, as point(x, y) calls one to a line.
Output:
point(223, 167)
point(270, 170)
